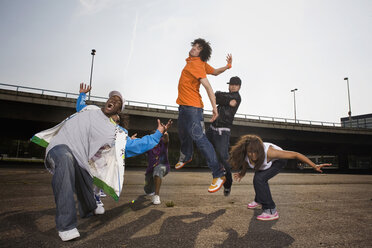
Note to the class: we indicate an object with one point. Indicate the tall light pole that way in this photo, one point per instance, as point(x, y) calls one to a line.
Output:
point(348, 94)
point(91, 71)
point(294, 100)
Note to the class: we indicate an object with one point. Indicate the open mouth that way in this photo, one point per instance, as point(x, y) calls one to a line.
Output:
point(110, 106)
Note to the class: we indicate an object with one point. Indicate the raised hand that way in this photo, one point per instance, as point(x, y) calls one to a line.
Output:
point(229, 60)
point(163, 128)
point(84, 88)
point(169, 124)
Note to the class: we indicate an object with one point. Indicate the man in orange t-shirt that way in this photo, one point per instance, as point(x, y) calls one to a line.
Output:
point(190, 118)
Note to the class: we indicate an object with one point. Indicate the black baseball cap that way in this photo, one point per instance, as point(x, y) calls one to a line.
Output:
point(235, 80)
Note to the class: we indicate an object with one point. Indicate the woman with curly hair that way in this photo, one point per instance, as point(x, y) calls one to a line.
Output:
point(267, 160)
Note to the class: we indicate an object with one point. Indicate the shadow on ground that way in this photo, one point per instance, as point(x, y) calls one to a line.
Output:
point(260, 234)
point(19, 229)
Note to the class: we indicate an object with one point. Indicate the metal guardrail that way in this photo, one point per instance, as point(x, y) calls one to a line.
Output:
point(175, 108)
point(358, 123)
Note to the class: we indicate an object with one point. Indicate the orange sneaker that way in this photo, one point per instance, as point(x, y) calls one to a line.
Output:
point(216, 184)
point(180, 164)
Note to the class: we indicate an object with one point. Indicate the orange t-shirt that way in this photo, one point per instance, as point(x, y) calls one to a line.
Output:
point(188, 87)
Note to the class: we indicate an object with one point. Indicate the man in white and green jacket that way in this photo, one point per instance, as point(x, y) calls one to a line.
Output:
point(86, 148)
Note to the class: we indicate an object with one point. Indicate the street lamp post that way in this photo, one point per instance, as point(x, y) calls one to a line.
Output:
point(294, 101)
point(348, 94)
point(91, 71)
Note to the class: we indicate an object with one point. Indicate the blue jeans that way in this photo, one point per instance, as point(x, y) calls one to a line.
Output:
point(191, 128)
point(221, 143)
point(261, 185)
point(69, 178)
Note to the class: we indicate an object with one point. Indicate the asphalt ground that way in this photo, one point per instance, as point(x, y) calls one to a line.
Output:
point(316, 210)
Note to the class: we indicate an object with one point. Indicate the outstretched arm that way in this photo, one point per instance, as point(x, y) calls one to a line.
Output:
point(273, 153)
point(212, 97)
point(222, 69)
point(138, 146)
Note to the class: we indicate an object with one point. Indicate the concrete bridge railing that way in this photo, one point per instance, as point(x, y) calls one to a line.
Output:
point(167, 107)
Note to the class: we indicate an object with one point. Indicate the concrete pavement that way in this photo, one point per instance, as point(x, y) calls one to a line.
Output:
point(316, 210)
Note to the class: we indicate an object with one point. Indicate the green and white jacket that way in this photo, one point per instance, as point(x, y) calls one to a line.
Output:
point(107, 167)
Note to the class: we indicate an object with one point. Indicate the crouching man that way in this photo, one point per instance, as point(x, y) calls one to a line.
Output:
point(86, 148)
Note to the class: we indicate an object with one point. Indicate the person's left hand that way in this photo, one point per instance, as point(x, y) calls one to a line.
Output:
point(229, 60)
point(319, 167)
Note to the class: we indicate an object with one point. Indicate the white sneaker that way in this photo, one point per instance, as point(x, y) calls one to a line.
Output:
point(102, 193)
point(98, 200)
point(156, 200)
point(99, 210)
point(68, 235)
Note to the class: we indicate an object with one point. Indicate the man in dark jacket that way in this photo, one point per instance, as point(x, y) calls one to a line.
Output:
point(219, 131)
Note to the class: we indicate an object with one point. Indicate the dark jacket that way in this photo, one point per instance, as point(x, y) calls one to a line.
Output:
point(225, 111)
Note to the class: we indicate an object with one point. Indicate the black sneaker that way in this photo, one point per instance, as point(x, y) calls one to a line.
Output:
point(226, 192)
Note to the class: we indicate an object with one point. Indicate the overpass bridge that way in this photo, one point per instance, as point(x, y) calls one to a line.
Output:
point(25, 111)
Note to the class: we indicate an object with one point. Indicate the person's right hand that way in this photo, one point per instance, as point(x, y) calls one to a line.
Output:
point(233, 103)
point(214, 115)
point(84, 88)
point(237, 177)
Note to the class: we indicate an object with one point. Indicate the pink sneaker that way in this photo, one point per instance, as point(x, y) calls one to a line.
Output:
point(265, 216)
point(253, 205)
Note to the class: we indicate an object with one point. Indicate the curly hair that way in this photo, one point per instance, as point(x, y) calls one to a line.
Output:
point(246, 143)
point(206, 52)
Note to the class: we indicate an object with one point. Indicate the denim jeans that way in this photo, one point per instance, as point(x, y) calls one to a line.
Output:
point(69, 178)
point(261, 185)
point(191, 128)
point(221, 143)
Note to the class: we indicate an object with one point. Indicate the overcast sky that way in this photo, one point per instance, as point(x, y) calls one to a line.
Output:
point(142, 46)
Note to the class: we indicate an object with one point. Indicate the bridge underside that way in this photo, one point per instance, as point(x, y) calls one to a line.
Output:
point(21, 119)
